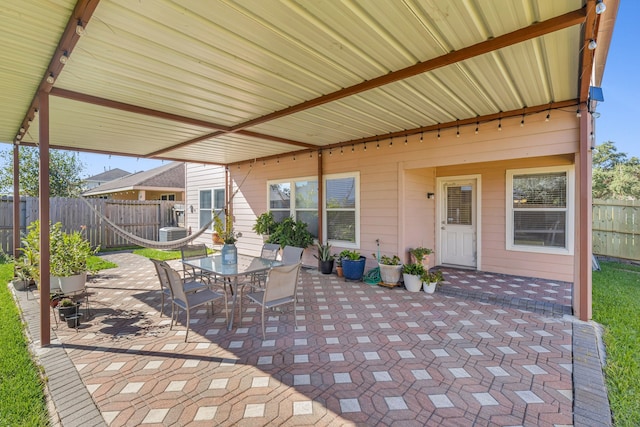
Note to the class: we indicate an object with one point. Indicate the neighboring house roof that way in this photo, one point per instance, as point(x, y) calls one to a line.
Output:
point(169, 177)
point(109, 175)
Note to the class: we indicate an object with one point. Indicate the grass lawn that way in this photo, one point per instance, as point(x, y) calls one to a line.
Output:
point(616, 306)
point(22, 400)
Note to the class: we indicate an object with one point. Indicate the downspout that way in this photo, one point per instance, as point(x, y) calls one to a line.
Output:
point(16, 200)
point(320, 199)
point(45, 281)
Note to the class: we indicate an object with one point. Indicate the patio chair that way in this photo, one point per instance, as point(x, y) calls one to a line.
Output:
point(193, 252)
point(291, 255)
point(189, 286)
point(187, 301)
point(269, 251)
point(280, 288)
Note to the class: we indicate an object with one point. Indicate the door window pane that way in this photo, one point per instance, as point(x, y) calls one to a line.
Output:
point(459, 205)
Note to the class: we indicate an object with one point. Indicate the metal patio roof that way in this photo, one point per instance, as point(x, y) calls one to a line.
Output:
point(232, 80)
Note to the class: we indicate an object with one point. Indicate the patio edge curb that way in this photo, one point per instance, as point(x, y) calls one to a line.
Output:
point(61, 378)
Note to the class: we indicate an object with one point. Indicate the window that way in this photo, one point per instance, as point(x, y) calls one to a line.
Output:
point(297, 199)
point(168, 197)
point(212, 202)
point(540, 210)
point(342, 219)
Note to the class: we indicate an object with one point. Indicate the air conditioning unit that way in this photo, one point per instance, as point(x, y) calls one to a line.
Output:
point(172, 233)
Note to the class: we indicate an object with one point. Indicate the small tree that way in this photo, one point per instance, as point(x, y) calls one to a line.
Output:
point(64, 172)
point(614, 175)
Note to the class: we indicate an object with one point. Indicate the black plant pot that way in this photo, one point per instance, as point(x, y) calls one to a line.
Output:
point(66, 312)
point(74, 321)
point(326, 267)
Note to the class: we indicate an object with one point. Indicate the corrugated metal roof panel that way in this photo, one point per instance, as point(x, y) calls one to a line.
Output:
point(30, 34)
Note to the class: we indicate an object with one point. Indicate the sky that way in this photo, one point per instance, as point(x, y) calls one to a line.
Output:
point(619, 113)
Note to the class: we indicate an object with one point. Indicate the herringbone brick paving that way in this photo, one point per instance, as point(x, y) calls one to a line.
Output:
point(362, 355)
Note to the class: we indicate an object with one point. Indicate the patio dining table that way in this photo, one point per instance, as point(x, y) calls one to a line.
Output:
point(246, 266)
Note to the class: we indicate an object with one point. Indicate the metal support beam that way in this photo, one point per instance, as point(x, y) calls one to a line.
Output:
point(16, 200)
point(45, 280)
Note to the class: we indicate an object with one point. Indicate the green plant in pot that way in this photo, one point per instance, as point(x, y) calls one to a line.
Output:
point(290, 232)
point(67, 308)
point(431, 279)
point(325, 258)
point(420, 255)
point(69, 252)
point(229, 237)
point(265, 225)
point(390, 269)
point(338, 258)
point(353, 265)
point(412, 275)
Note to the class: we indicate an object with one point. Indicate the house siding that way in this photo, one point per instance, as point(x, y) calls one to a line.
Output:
point(395, 179)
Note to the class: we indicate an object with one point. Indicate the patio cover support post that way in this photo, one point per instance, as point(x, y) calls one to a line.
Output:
point(320, 198)
point(16, 200)
point(583, 254)
point(45, 281)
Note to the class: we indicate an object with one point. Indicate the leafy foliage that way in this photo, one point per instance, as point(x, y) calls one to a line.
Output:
point(413, 269)
point(614, 175)
point(291, 233)
point(64, 170)
point(388, 260)
point(265, 224)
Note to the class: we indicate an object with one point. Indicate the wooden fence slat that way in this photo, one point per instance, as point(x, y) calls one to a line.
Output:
point(616, 228)
point(141, 218)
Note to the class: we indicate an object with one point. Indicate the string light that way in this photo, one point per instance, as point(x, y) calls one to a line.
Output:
point(477, 127)
point(365, 146)
point(405, 139)
point(353, 148)
point(391, 141)
point(341, 152)
point(377, 144)
point(500, 124)
point(458, 130)
point(522, 121)
point(578, 113)
point(600, 7)
point(421, 135)
point(548, 116)
point(438, 132)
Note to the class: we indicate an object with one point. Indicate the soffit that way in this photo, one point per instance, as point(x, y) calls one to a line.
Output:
point(228, 62)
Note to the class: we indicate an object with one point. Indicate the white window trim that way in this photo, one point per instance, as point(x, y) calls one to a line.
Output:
point(342, 243)
point(569, 169)
point(292, 183)
point(213, 208)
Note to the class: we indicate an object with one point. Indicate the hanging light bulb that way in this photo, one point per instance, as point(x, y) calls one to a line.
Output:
point(457, 131)
point(341, 152)
point(353, 148)
point(438, 134)
point(365, 146)
point(377, 144)
point(391, 142)
point(421, 136)
point(548, 116)
point(522, 121)
point(477, 127)
point(600, 7)
point(500, 124)
point(50, 78)
point(592, 44)
point(405, 139)
point(64, 57)
point(578, 113)
point(80, 30)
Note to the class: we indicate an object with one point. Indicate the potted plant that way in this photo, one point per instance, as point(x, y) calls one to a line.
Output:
point(353, 265)
point(412, 274)
point(431, 279)
point(229, 237)
point(390, 269)
point(290, 232)
point(338, 258)
point(265, 225)
point(67, 308)
point(420, 255)
point(68, 257)
point(325, 259)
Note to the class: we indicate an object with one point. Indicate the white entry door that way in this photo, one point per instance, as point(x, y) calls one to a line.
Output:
point(458, 222)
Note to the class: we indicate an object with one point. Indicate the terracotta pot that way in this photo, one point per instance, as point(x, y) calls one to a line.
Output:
point(339, 271)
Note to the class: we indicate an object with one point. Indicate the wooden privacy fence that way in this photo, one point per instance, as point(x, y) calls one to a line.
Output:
point(616, 228)
point(142, 218)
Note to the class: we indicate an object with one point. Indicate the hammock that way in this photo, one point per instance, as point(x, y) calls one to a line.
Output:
point(154, 244)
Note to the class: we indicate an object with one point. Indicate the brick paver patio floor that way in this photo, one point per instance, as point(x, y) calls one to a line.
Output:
point(362, 355)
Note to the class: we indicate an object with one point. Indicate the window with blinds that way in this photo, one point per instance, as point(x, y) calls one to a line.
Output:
point(539, 209)
point(460, 205)
point(211, 203)
point(341, 200)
